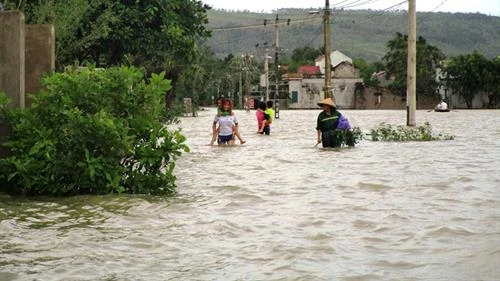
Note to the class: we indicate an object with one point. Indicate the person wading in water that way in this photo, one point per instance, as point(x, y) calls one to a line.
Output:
point(327, 123)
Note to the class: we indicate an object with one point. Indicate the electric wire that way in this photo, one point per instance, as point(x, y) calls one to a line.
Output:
point(310, 19)
point(295, 21)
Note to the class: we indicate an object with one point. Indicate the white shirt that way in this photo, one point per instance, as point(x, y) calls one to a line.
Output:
point(226, 124)
point(442, 105)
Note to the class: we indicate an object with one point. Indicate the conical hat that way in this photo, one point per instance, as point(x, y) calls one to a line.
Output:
point(327, 101)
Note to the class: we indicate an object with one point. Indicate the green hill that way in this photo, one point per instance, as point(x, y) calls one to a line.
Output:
point(357, 33)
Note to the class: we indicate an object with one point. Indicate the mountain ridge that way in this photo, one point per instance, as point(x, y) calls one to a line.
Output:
point(356, 33)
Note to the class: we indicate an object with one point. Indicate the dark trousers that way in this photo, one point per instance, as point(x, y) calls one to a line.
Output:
point(330, 139)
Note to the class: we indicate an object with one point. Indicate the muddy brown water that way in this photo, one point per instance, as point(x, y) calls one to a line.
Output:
point(278, 208)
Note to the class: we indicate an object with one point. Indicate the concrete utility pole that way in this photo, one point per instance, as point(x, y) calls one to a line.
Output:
point(266, 71)
point(240, 92)
point(248, 60)
point(411, 82)
point(327, 89)
point(277, 71)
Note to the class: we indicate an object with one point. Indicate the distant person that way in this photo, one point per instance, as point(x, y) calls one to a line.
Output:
point(327, 123)
point(218, 101)
point(262, 118)
point(442, 105)
point(269, 111)
point(246, 102)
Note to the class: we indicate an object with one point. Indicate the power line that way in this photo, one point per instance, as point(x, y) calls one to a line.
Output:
point(419, 19)
point(309, 19)
point(437, 7)
point(295, 21)
point(383, 12)
point(356, 4)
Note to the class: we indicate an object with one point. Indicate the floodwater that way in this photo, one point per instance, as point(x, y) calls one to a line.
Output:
point(279, 208)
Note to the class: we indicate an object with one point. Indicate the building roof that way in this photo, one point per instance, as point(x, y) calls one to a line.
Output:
point(336, 57)
point(308, 69)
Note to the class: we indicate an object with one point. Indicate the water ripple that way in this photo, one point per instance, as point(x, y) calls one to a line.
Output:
point(278, 208)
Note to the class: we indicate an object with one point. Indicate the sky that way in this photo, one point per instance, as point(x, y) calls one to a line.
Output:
point(488, 7)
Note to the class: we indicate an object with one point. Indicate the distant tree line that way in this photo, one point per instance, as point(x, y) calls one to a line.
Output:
point(466, 75)
point(174, 36)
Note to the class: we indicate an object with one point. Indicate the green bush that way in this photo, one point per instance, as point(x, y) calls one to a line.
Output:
point(387, 132)
point(349, 137)
point(93, 132)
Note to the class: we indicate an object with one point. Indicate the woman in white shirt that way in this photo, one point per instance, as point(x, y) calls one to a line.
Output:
point(227, 125)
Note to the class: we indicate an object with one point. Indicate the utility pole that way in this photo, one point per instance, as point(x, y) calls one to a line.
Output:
point(240, 93)
point(277, 71)
point(327, 89)
point(248, 59)
point(266, 71)
point(411, 81)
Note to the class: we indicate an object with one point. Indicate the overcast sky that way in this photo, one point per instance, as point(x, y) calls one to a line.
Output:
point(488, 7)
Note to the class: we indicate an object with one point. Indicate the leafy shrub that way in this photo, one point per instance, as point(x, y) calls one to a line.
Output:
point(348, 137)
point(387, 132)
point(93, 132)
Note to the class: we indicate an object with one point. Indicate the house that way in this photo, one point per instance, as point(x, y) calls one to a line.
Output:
point(306, 90)
point(336, 57)
point(309, 71)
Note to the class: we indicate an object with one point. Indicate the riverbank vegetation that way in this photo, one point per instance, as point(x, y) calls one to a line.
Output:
point(92, 132)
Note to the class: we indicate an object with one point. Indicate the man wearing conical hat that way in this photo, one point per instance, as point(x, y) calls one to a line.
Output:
point(327, 123)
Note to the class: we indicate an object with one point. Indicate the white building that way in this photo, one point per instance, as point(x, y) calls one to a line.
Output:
point(307, 92)
point(336, 58)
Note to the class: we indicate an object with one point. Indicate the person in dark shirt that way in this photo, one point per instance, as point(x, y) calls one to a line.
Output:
point(327, 123)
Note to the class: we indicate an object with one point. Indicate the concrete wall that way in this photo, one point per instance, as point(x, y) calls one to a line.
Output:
point(12, 59)
point(310, 92)
point(345, 77)
point(454, 101)
point(12, 65)
point(27, 52)
point(40, 56)
point(382, 98)
point(344, 92)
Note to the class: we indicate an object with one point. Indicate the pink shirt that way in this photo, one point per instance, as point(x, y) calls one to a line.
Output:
point(260, 118)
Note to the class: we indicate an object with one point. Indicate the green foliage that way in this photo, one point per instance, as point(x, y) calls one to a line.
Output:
point(469, 74)
point(492, 83)
point(428, 59)
point(157, 35)
point(4, 100)
point(388, 132)
point(93, 132)
point(305, 55)
point(348, 137)
point(366, 70)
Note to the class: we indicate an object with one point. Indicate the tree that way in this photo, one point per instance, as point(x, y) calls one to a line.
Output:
point(195, 80)
point(492, 83)
point(157, 35)
point(366, 70)
point(303, 56)
point(469, 74)
point(428, 59)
